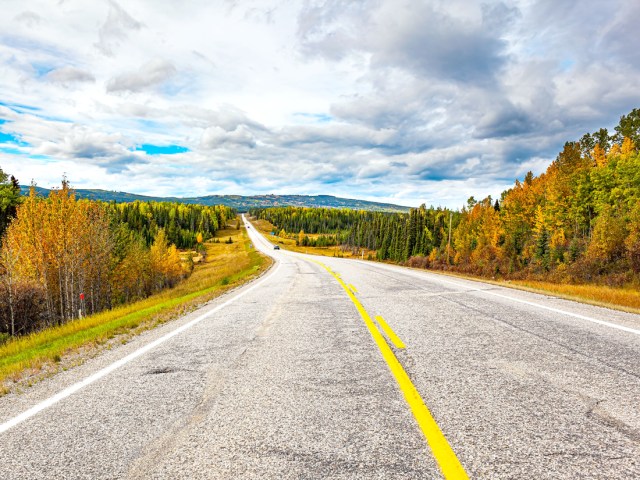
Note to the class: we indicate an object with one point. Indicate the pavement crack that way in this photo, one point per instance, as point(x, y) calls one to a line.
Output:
point(598, 414)
point(565, 453)
point(162, 370)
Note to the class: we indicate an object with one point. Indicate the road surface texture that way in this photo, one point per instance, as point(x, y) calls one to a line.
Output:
point(286, 378)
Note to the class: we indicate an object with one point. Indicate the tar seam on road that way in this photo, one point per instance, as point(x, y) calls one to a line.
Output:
point(123, 361)
point(444, 455)
point(532, 304)
point(390, 333)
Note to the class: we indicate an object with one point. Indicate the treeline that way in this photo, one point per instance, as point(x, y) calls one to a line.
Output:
point(579, 221)
point(61, 258)
point(394, 236)
point(182, 223)
point(312, 220)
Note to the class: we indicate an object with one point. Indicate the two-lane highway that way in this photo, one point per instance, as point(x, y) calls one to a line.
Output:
point(285, 379)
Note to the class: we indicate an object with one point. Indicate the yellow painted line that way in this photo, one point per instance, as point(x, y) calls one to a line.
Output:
point(390, 333)
point(444, 455)
point(352, 288)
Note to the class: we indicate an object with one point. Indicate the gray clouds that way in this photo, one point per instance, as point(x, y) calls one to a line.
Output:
point(115, 29)
point(422, 38)
point(30, 19)
point(95, 148)
point(215, 137)
point(150, 74)
point(65, 75)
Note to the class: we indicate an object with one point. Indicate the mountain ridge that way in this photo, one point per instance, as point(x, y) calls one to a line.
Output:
point(240, 202)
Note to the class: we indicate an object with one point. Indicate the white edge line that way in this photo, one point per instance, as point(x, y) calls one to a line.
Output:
point(564, 312)
point(123, 361)
point(425, 275)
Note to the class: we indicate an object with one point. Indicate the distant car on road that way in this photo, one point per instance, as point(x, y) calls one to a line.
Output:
point(276, 247)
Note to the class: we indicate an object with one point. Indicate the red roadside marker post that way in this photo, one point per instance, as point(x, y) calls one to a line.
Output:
point(81, 305)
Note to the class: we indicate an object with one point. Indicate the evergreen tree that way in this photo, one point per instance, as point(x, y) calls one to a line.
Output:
point(9, 200)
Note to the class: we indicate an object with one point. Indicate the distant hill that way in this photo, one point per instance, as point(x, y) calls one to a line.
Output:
point(239, 202)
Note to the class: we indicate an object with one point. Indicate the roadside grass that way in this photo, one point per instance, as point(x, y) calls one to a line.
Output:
point(625, 299)
point(266, 228)
point(226, 266)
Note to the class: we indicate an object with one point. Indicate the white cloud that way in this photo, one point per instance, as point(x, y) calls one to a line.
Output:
point(66, 75)
point(215, 137)
point(115, 29)
point(82, 143)
point(150, 74)
point(30, 19)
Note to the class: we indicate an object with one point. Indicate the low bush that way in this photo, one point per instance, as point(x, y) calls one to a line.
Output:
point(24, 311)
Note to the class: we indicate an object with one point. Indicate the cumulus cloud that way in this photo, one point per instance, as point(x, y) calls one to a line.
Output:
point(504, 121)
point(226, 117)
point(30, 19)
point(216, 137)
point(150, 74)
point(84, 145)
point(82, 142)
point(451, 48)
point(421, 37)
point(335, 136)
point(66, 75)
point(115, 29)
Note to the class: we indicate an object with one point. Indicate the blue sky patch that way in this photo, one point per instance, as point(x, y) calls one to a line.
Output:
point(41, 69)
point(150, 125)
point(11, 151)
point(23, 109)
point(161, 149)
point(9, 138)
point(41, 157)
point(16, 107)
point(567, 63)
point(318, 117)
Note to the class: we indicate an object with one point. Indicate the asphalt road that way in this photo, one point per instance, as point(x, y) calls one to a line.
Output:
point(285, 378)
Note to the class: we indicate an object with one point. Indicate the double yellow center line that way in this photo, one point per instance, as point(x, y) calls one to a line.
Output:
point(443, 453)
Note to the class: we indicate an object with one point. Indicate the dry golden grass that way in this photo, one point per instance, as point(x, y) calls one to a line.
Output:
point(624, 299)
point(36, 355)
point(627, 299)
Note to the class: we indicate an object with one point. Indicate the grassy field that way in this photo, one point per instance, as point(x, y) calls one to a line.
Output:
point(625, 299)
point(30, 358)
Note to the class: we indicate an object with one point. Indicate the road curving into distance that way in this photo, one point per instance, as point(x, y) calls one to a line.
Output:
point(333, 368)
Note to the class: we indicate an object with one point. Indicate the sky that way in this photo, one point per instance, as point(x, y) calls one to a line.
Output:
point(407, 102)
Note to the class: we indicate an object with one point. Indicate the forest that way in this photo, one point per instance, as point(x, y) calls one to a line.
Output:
point(63, 258)
point(182, 223)
point(577, 222)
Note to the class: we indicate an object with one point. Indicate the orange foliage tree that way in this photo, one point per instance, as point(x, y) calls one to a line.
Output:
point(63, 258)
